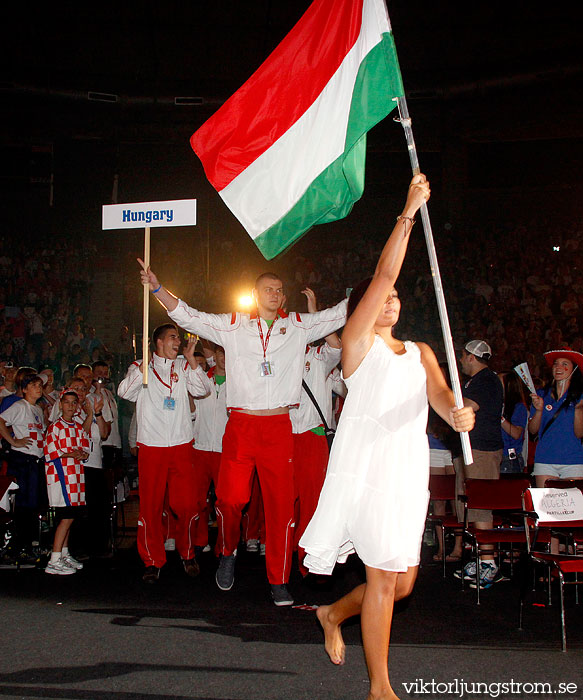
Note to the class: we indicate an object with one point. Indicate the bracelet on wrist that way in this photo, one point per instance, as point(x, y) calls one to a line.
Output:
point(155, 291)
point(100, 413)
point(406, 218)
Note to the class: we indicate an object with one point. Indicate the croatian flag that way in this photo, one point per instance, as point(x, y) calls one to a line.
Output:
point(287, 150)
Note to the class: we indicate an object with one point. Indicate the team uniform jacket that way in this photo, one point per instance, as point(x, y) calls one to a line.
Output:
point(158, 427)
point(26, 421)
point(239, 334)
point(211, 417)
point(65, 476)
point(318, 363)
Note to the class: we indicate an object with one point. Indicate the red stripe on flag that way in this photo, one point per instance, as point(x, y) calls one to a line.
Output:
point(279, 91)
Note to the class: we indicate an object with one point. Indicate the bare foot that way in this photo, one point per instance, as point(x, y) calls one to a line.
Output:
point(388, 694)
point(333, 642)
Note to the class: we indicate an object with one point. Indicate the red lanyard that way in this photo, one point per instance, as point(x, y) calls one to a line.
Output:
point(159, 378)
point(264, 343)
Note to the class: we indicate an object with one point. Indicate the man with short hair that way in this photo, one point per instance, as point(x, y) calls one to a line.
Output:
point(482, 392)
point(165, 440)
point(264, 364)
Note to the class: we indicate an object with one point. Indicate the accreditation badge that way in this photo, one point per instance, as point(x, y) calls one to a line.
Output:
point(169, 403)
point(266, 369)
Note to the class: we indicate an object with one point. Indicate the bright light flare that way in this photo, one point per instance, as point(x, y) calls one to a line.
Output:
point(246, 301)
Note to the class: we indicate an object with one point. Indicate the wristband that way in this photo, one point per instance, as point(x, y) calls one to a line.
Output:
point(154, 291)
point(99, 414)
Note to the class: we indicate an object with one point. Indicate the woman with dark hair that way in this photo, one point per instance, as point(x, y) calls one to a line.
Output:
point(374, 499)
point(513, 423)
point(557, 416)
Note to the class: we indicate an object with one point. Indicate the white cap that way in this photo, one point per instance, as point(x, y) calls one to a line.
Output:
point(479, 348)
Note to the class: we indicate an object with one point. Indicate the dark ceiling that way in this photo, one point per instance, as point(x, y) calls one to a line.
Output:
point(493, 88)
point(143, 55)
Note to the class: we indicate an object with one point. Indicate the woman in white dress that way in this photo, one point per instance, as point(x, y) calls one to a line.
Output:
point(374, 499)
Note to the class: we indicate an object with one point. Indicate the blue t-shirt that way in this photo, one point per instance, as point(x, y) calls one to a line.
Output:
point(7, 401)
point(435, 443)
point(559, 444)
point(519, 416)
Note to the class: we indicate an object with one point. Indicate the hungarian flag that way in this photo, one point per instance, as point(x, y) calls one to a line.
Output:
point(288, 149)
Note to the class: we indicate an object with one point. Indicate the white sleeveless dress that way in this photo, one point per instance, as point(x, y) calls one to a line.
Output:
point(375, 496)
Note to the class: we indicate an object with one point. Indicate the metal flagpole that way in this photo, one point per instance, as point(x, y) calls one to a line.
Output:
point(405, 120)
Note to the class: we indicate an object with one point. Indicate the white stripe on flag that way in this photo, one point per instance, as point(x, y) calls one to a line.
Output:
point(268, 188)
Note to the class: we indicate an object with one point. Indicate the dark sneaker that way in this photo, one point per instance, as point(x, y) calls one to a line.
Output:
point(225, 576)
point(191, 567)
point(280, 594)
point(151, 574)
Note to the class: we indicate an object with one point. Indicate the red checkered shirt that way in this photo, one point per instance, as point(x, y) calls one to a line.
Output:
point(61, 438)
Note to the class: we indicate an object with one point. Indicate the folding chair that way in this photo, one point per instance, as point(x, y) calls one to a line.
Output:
point(553, 511)
point(575, 538)
point(504, 496)
point(442, 488)
point(7, 486)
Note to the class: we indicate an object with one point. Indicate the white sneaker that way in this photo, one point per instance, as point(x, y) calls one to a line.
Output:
point(262, 550)
point(206, 548)
point(252, 545)
point(72, 562)
point(170, 545)
point(60, 568)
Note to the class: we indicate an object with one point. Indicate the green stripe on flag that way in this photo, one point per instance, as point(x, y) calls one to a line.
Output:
point(333, 193)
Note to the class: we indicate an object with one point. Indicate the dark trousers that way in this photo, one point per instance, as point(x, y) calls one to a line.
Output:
point(30, 499)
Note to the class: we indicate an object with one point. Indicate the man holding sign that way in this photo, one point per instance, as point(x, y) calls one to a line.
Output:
point(165, 442)
point(264, 363)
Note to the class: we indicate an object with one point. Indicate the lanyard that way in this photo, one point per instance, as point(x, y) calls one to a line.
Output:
point(159, 378)
point(264, 342)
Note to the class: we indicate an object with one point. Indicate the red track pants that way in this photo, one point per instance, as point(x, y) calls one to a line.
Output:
point(310, 463)
point(265, 443)
point(160, 468)
point(253, 523)
point(168, 520)
point(206, 468)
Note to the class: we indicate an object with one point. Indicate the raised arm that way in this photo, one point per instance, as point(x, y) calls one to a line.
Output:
point(166, 298)
point(333, 340)
point(358, 334)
